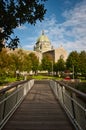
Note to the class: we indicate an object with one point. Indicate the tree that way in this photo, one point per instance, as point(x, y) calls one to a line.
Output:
point(73, 61)
point(15, 63)
point(82, 62)
point(47, 63)
point(17, 12)
point(34, 62)
point(4, 62)
point(59, 66)
point(19, 61)
point(26, 63)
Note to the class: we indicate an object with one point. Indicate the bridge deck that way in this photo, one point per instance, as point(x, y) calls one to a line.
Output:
point(39, 111)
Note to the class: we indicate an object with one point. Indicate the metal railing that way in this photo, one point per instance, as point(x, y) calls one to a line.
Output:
point(73, 102)
point(11, 97)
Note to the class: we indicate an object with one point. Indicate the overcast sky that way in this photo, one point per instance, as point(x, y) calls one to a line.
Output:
point(64, 24)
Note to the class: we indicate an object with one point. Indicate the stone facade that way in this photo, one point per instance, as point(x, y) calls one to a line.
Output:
point(44, 47)
point(60, 52)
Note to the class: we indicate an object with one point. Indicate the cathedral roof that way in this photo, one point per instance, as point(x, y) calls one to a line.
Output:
point(43, 38)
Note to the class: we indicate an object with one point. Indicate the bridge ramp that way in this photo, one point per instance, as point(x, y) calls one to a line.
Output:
point(40, 110)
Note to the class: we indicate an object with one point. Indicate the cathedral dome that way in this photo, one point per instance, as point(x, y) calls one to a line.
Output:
point(43, 38)
point(43, 43)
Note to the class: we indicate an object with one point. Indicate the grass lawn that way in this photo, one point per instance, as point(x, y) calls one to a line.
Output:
point(39, 77)
point(7, 80)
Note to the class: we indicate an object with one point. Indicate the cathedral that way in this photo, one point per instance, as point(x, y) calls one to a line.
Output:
point(43, 46)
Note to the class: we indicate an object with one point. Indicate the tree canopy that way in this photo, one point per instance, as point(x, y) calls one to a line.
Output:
point(78, 61)
point(60, 65)
point(73, 60)
point(34, 62)
point(47, 63)
point(82, 62)
point(14, 13)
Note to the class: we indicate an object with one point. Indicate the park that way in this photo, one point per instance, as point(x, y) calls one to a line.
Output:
point(42, 65)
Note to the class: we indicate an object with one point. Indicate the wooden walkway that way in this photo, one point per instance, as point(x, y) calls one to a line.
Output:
point(39, 111)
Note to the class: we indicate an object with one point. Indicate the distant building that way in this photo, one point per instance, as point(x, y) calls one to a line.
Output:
point(43, 46)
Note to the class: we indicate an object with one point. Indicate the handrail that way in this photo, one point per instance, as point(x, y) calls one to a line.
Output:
point(81, 94)
point(10, 101)
point(12, 85)
point(73, 101)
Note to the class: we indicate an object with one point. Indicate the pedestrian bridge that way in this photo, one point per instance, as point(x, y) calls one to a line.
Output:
point(42, 105)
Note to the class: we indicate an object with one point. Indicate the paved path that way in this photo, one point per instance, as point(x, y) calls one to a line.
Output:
point(39, 111)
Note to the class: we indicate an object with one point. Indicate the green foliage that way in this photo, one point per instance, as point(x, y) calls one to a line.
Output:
point(47, 63)
point(34, 62)
point(59, 67)
point(16, 12)
point(82, 62)
point(4, 63)
point(39, 77)
point(78, 60)
point(17, 61)
point(26, 63)
point(73, 60)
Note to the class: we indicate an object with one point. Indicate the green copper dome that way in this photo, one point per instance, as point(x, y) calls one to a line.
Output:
point(43, 38)
point(43, 43)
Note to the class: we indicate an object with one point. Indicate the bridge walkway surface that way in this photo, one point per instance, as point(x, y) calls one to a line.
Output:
point(40, 110)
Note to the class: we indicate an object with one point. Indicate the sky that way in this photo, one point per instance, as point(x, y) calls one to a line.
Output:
point(64, 24)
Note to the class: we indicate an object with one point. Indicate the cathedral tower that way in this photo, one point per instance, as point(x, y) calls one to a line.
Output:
point(43, 44)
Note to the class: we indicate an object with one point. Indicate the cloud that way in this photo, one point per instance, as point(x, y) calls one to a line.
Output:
point(75, 26)
point(30, 42)
point(72, 32)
